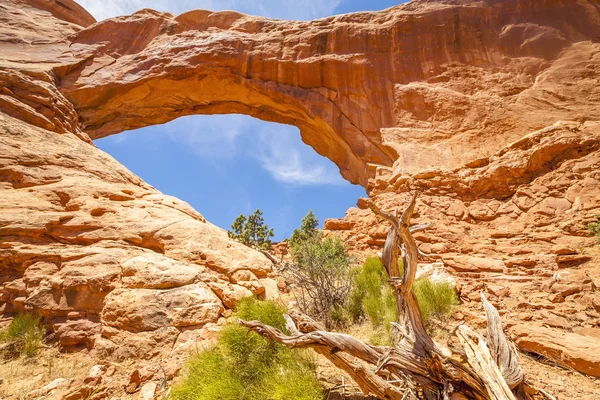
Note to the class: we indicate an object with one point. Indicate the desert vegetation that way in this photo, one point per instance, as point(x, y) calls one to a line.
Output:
point(435, 298)
point(252, 231)
point(320, 271)
point(373, 298)
point(594, 228)
point(245, 366)
point(23, 337)
point(414, 366)
point(331, 288)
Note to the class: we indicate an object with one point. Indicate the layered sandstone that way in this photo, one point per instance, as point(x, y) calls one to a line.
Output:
point(513, 227)
point(426, 84)
point(489, 108)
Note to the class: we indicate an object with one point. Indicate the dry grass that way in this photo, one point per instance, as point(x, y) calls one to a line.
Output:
point(377, 335)
point(21, 376)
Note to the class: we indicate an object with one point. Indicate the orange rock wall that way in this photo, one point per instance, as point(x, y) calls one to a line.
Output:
point(489, 108)
point(422, 85)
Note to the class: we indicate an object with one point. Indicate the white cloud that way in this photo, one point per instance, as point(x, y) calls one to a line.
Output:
point(289, 161)
point(213, 137)
point(277, 148)
point(284, 9)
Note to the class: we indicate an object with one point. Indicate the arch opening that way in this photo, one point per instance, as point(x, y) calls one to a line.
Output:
point(205, 90)
point(226, 165)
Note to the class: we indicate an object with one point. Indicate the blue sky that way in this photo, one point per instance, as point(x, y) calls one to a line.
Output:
point(225, 165)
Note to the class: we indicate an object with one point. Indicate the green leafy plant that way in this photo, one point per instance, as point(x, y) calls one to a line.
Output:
point(308, 229)
point(252, 231)
point(245, 366)
point(23, 337)
point(372, 295)
point(435, 298)
point(320, 272)
point(594, 228)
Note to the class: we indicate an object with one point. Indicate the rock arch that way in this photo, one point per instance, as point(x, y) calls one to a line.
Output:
point(450, 82)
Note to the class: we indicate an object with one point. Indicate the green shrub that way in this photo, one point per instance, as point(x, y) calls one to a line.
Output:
point(434, 298)
point(252, 231)
point(320, 272)
point(372, 295)
point(267, 312)
point(594, 228)
point(244, 366)
point(23, 337)
point(208, 376)
point(308, 228)
point(374, 298)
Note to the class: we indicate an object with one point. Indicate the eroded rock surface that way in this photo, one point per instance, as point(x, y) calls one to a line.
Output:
point(489, 108)
point(576, 351)
point(513, 227)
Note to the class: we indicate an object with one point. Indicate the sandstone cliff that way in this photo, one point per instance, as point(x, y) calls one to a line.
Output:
point(490, 108)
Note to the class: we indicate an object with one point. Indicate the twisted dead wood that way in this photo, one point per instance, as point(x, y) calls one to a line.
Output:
point(414, 366)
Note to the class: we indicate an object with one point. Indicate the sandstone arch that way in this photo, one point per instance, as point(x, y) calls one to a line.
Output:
point(367, 90)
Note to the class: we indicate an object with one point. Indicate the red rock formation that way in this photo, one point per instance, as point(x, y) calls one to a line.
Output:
point(426, 84)
point(576, 351)
point(490, 108)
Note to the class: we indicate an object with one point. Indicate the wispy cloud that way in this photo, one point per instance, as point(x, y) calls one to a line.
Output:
point(289, 161)
point(214, 137)
point(277, 148)
point(284, 9)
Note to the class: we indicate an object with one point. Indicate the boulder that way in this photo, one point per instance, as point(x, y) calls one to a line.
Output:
point(582, 353)
point(155, 271)
point(138, 310)
point(81, 332)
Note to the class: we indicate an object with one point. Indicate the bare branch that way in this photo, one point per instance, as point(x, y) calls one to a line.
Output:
point(504, 355)
point(480, 359)
point(333, 345)
point(420, 227)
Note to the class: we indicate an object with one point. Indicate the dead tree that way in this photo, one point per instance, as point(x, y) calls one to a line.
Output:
point(415, 366)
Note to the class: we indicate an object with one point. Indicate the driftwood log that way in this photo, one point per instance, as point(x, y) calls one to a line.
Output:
point(415, 366)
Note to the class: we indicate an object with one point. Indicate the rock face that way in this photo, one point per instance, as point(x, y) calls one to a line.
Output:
point(489, 108)
point(427, 84)
point(576, 351)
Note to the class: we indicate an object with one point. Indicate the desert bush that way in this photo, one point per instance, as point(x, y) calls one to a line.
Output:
point(321, 273)
point(594, 228)
point(252, 231)
point(268, 312)
point(23, 337)
point(244, 366)
point(307, 229)
point(435, 298)
point(372, 296)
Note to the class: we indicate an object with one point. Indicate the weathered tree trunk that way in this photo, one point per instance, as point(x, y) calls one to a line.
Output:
point(415, 366)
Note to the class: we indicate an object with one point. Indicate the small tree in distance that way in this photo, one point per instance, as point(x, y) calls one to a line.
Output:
point(307, 229)
point(252, 231)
